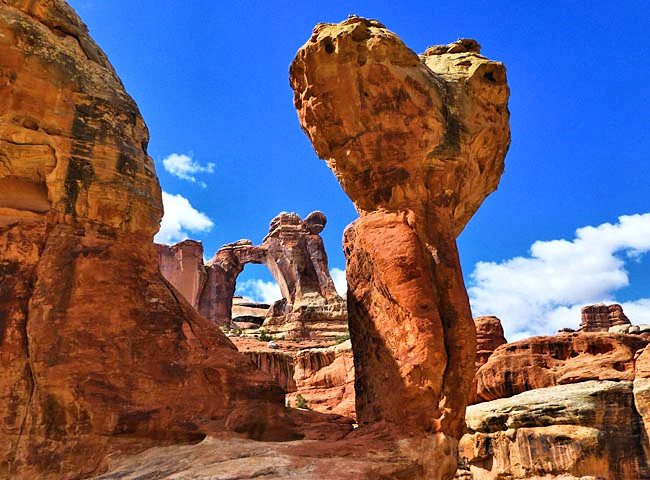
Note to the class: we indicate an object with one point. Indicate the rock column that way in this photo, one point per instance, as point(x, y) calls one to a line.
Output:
point(417, 143)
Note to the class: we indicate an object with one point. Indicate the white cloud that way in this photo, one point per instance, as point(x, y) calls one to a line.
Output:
point(180, 216)
point(183, 166)
point(544, 291)
point(340, 282)
point(259, 290)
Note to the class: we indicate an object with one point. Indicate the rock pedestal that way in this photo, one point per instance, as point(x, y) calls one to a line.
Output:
point(417, 143)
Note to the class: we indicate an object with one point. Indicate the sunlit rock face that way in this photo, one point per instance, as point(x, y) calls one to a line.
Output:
point(545, 361)
point(98, 352)
point(489, 336)
point(417, 143)
point(584, 430)
point(600, 318)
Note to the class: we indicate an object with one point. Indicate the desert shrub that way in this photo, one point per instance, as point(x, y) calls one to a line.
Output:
point(265, 338)
point(342, 338)
point(301, 402)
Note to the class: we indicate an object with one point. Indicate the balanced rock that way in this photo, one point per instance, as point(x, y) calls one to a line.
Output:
point(98, 352)
point(600, 318)
point(417, 143)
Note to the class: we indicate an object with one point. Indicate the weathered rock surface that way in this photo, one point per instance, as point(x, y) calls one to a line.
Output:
point(295, 255)
point(98, 352)
point(600, 318)
point(417, 143)
point(642, 395)
point(244, 310)
point(589, 429)
point(182, 265)
point(362, 455)
point(325, 379)
point(489, 336)
point(324, 376)
point(544, 361)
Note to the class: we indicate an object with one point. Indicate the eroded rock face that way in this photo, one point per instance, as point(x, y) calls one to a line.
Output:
point(322, 375)
point(489, 336)
point(417, 143)
point(182, 265)
point(544, 361)
point(588, 429)
point(600, 318)
point(98, 352)
point(325, 379)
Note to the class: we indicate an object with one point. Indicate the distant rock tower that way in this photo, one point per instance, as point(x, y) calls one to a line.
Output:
point(599, 318)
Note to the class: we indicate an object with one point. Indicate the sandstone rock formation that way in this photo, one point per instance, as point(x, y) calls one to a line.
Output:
point(600, 318)
point(295, 255)
point(98, 352)
point(489, 336)
point(325, 379)
point(248, 312)
point(323, 376)
point(642, 396)
point(545, 361)
point(182, 265)
point(588, 429)
point(417, 143)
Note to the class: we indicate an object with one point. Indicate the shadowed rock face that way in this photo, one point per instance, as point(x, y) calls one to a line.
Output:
point(417, 143)
point(98, 352)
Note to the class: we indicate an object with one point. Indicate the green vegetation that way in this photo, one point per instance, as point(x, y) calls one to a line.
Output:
point(341, 338)
point(301, 402)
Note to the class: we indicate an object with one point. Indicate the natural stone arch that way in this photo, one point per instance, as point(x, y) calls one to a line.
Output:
point(294, 253)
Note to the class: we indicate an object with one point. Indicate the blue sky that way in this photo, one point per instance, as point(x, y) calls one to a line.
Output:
point(211, 80)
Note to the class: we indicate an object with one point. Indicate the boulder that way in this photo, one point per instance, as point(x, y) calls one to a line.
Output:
point(417, 143)
point(588, 429)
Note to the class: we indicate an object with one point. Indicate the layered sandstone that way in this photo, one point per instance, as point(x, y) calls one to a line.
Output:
point(322, 375)
point(182, 265)
point(99, 353)
point(545, 361)
point(417, 143)
point(584, 430)
point(600, 318)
